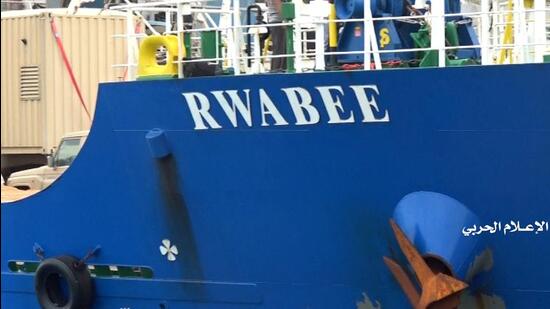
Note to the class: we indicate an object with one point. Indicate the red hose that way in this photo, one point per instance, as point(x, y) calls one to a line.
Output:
point(68, 65)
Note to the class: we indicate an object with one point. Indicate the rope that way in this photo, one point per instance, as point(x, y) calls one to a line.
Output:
point(68, 65)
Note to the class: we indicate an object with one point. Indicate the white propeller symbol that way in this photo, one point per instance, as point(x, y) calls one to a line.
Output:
point(169, 250)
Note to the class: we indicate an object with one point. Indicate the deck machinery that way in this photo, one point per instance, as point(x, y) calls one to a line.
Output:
point(393, 34)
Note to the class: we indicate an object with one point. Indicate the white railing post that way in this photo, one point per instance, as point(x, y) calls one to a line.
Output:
point(485, 54)
point(298, 36)
point(523, 34)
point(495, 28)
point(319, 15)
point(320, 46)
point(517, 31)
point(167, 21)
point(236, 37)
point(438, 30)
point(370, 42)
point(257, 66)
point(540, 30)
point(179, 22)
point(298, 46)
point(225, 22)
point(366, 35)
point(374, 44)
point(130, 45)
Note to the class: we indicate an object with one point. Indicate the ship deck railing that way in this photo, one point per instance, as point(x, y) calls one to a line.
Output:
point(529, 26)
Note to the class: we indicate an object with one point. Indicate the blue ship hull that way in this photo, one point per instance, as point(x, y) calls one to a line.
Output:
point(296, 215)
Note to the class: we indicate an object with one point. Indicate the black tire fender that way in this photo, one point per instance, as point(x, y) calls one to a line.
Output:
point(63, 282)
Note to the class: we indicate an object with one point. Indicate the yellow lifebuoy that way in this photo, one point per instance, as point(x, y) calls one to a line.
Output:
point(147, 64)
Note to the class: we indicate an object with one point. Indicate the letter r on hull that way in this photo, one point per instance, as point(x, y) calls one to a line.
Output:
point(199, 105)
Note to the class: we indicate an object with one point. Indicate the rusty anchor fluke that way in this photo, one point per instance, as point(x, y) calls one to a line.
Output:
point(438, 290)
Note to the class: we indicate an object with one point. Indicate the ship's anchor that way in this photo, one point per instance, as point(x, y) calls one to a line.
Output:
point(438, 290)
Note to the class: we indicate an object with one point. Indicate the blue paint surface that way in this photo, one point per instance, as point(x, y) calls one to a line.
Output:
point(294, 216)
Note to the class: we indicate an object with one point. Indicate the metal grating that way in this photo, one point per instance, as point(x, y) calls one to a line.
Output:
point(29, 83)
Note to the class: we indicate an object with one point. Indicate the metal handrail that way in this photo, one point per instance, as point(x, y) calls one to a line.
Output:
point(233, 32)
